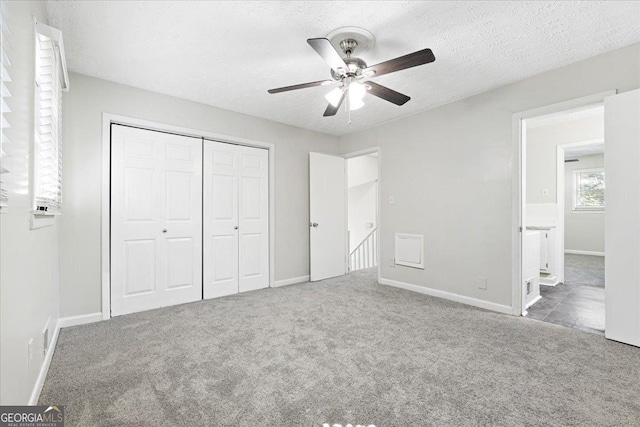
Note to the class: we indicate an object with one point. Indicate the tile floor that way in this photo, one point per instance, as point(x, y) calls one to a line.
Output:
point(573, 304)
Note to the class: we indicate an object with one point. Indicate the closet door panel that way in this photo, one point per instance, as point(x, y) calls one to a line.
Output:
point(236, 219)
point(221, 163)
point(156, 219)
point(254, 219)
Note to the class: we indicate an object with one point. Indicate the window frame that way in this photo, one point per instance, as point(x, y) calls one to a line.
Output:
point(574, 203)
point(5, 108)
point(42, 218)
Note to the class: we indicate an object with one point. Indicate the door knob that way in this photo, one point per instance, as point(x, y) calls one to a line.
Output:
point(164, 230)
point(235, 228)
point(313, 224)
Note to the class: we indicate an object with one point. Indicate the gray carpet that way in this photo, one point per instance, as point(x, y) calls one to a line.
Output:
point(584, 269)
point(340, 351)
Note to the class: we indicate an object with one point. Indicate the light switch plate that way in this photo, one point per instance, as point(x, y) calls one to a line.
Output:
point(545, 192)
point(392, 200)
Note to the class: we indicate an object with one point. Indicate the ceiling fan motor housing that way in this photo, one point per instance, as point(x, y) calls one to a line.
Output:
point(356, 65)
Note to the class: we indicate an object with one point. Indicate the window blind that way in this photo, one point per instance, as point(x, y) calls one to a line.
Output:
point(48, 129)
point(5, 65)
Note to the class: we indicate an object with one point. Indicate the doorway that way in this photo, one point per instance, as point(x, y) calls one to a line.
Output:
point(563, 242)
point(362, 211)
point(344, 213)
point(167, 195)
point(622, 133)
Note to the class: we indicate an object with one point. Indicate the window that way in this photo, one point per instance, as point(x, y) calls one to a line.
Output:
point(50, 80)
point(5, 109)
point(588, 189)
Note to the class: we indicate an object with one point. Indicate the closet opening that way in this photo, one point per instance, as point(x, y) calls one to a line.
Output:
point(187, 215)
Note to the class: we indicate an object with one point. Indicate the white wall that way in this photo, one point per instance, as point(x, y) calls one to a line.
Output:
point(542, 143)
point(362, 170)
point(80, 287)
point(28, 258)
point(583, 231)
point(450, 170)
point(362, 181)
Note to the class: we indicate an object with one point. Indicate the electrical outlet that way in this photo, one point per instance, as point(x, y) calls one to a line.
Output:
point(482, 283)
point(392, 262)
point(545, 192)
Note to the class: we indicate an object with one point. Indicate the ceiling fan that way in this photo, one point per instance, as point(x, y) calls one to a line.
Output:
point(353, 74)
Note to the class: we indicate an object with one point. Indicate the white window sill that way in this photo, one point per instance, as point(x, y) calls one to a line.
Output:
point(597, 210)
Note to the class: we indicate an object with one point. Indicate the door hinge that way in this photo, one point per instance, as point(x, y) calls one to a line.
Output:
point(520, 229)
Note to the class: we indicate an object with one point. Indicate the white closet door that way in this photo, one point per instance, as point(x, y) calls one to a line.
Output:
point(253, 218)
point(236, 228)
point(156, 219)
point(220, 219)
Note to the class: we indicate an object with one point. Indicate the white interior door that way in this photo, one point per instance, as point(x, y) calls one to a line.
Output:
point(156, 219)
point(236, 219)
point(622, 218)
point(327, 216)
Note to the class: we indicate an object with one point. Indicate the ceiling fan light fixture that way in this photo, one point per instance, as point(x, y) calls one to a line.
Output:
point(355, 104)
point(356, 91)
point(334, 97)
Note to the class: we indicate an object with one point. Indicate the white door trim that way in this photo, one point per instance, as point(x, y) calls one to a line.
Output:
point(105, 232)
point(518, 204)
point(372, 150)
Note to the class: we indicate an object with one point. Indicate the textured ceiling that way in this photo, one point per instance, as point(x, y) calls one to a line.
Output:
point(228, 54)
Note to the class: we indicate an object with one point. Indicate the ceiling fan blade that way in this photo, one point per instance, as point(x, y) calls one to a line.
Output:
point(300, 86)
point(414, 59)
point(387, 94)
point(325, 49)
point(331, 110)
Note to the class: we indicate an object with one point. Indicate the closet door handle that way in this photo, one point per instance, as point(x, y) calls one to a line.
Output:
point(235, 228)
point(164, 230)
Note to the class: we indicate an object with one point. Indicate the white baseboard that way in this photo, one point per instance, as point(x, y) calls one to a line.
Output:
point(63, 322)
point(448, 295)
point(535, 300)
point(291, 281)
point(571, 251)
point(549, 281)
point(42, 375)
